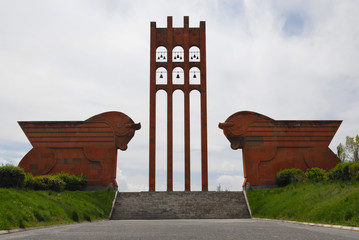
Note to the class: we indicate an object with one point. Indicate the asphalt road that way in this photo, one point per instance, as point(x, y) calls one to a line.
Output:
point(184, 229)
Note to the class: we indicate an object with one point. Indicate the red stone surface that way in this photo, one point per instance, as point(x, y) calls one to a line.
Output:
point(186, 38)
point(269, 146)
point(76, 147)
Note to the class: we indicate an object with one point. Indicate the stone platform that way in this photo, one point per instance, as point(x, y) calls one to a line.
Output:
point(180, 205)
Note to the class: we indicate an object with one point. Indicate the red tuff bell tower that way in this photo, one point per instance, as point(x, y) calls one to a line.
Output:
point(178, 62)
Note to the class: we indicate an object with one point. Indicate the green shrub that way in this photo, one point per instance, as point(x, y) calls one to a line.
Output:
point(58, 182)
point(354, 171)
point(39, 184)
point(316, 175)
point(11, 176)
point(29, 181)
point(73, 182)
point(288, 176)
point(48, 182)
point(340, 172)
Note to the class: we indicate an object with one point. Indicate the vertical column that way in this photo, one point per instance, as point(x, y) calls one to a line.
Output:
point(169, 141)
point(187, 153)
point(204, 155)
point(152, 157)
point(169, 106)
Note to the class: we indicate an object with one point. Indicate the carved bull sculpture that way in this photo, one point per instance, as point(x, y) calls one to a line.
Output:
point(76, 147)
point(269, 146)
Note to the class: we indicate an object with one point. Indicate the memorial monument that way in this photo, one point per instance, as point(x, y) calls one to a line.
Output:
point(79, 147)
point(269, 146)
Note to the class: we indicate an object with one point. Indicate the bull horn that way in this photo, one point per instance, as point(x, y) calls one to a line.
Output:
point(225, 125)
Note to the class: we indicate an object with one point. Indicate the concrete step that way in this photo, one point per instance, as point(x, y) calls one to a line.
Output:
point(180, 205)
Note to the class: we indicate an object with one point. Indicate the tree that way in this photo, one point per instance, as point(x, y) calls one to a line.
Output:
point(341, 152)
point(349, 152)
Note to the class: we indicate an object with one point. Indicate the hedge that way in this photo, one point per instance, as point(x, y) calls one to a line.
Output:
point(316, 175)
point(48, 182)
point(288, 176)
point(73, 182)
point(340, 172)
point(354, 171)
point(11, 176)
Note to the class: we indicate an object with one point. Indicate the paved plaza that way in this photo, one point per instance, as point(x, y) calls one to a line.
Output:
point(184, 229)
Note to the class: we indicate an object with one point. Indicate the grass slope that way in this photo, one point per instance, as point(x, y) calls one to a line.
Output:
point(332, 203)
point(28, 208)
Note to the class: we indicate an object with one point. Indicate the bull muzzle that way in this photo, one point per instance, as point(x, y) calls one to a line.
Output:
point(225, 125)
point(135, 126)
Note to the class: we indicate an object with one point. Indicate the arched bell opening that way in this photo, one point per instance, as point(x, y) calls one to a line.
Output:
point(194, 54)
point(177, 54)
point(161, 54)
point(161, 75)
point(178, 76)
point(194, 76)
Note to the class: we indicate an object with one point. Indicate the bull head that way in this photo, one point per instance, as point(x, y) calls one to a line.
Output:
point(236, 126)
point(123, 127)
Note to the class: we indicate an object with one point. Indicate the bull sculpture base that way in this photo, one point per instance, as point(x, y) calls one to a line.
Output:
point(79, 147)
point(269, 146)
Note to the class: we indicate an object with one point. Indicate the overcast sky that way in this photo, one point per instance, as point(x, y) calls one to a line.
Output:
point(70, 60)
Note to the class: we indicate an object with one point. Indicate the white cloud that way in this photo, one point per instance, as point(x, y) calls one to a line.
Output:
point(3, 161)
point(12, 155)
point(130, 183)
point(231, 183)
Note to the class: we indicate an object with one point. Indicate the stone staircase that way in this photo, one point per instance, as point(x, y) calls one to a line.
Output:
point(180, 205)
